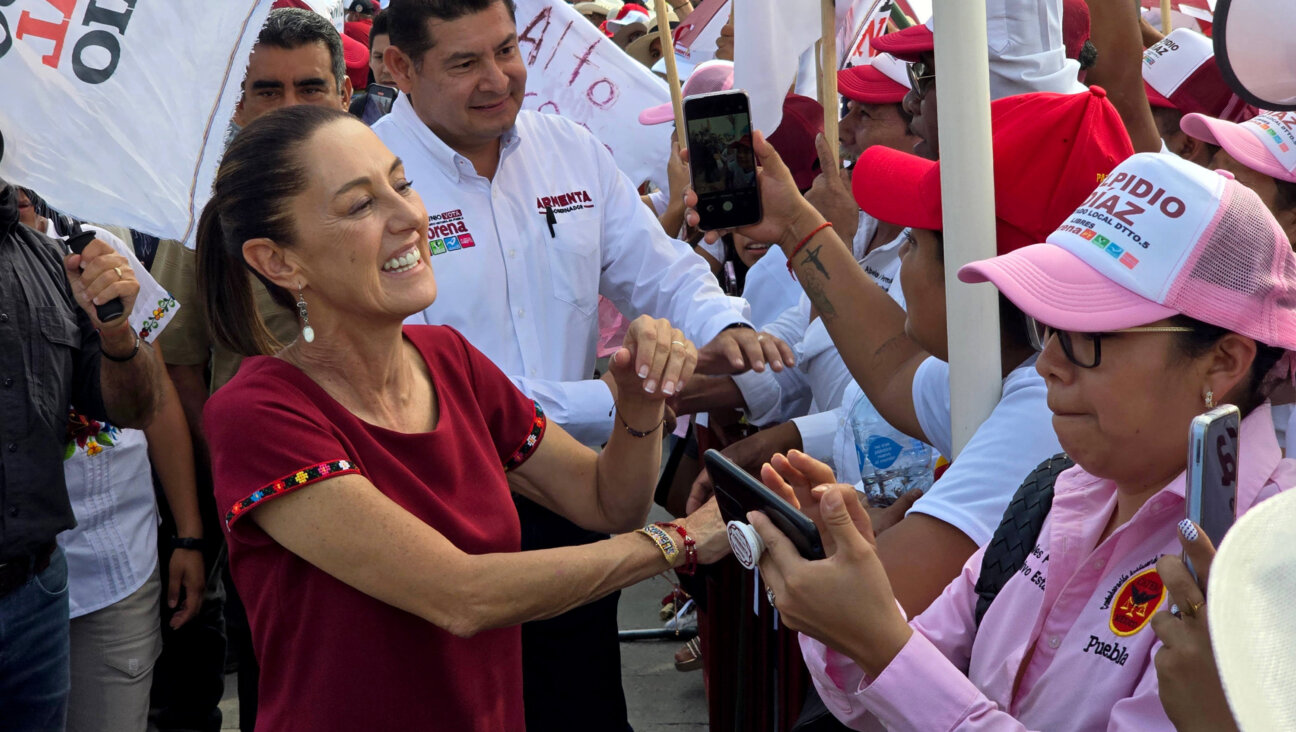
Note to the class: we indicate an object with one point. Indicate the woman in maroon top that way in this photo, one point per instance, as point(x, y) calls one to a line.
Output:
point(366, 468)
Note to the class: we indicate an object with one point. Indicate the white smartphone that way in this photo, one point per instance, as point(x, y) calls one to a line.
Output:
point(1211, 491)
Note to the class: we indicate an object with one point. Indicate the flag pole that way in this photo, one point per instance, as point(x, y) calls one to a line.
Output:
point(672, 72)
point(1166, 24)
point(968, 213)
point(828, 79)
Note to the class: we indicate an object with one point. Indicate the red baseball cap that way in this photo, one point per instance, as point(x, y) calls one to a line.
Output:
point(908, 44)
point(881, 81)
point(794, 140)
point(1075, 26)
point(1050, 151)
point(1180, 72)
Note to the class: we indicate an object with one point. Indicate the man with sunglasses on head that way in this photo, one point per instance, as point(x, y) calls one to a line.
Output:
point(1027, 54)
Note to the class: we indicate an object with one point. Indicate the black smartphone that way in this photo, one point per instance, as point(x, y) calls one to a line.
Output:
point(738, 492)
point(1211, 489)
point(722, 161)
point(381, 96)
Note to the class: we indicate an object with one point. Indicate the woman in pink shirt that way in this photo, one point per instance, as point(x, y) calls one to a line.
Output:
point(1169, 291)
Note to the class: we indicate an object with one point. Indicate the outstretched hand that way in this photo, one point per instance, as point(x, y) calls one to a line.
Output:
point(844, 601)
point(782, 205)
point(654, 361)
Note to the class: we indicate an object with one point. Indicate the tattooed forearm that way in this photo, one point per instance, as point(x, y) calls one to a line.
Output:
point(818, 298)
point(812, 257)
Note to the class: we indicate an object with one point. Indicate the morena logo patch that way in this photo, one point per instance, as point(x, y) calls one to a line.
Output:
point(1115, 251)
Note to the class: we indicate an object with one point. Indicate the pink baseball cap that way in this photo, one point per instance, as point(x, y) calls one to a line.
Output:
point(883, 80)
point(1159, 237)
point(1179, 72)
point(708, 76)
point(1266, 144)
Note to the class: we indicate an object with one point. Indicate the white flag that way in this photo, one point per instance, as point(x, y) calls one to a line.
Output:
point(575, 71)
point(116, 111)
point(769, 38)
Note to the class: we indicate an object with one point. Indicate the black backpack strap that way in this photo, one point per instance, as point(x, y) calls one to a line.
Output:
point(1018, 530)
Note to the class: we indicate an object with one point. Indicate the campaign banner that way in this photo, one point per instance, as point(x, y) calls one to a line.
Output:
point(575, 71)
point(695, 38)
point(117, 109)
point(857, 26)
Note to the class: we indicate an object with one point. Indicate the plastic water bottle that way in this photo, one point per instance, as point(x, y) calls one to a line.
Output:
point(891, 462)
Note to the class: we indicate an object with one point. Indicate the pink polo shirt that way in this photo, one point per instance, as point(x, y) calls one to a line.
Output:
point(1084, 607)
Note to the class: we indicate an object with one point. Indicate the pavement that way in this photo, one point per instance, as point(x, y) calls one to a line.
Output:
point(659, 698)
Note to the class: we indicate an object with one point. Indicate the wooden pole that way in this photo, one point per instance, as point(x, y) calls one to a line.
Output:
point(828, 80)
point(672, 72)
point(1166, 24)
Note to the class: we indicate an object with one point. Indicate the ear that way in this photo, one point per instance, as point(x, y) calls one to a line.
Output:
point(347, 91)
point(1228, 366)
point(401, 68)
point(273, 262)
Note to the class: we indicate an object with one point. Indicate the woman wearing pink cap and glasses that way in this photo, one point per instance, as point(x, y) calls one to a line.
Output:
point(1170, 290)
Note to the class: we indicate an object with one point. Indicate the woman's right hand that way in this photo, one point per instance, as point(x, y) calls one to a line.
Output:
point(708, 530)
point(655, 361)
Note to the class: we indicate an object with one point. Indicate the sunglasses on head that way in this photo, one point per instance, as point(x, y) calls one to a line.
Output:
point(919, 77)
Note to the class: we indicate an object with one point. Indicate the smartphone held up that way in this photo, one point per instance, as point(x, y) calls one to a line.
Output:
point(722, 160)
point(1211, 489)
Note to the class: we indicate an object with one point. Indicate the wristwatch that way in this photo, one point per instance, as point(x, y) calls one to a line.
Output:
point(183, 542)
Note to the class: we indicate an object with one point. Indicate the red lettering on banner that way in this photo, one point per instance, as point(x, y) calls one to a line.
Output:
point(49, 30)
point(873, 30)
point(525, 36)
point(556, 45)
point(583, 59)
point(611, 97)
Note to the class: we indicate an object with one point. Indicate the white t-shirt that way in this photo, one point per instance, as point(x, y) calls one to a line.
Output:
point(112, 550)
point(1017, 436)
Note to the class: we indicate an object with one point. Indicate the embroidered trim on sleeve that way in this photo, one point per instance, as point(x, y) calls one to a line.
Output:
point(302, 477)
point(528, 445)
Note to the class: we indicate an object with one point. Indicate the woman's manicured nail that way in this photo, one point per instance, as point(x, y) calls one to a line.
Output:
point(1188, 530)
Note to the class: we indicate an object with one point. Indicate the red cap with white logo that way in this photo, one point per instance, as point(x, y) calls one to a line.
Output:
point(1179, 72)
point(1159, 237)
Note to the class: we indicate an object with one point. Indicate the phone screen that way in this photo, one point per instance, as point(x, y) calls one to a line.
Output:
point(721, 159)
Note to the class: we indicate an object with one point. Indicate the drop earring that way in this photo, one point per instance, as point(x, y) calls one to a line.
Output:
point(307, 331)
point(1210, 399)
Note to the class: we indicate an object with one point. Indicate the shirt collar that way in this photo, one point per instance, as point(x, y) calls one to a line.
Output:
point(445, 157)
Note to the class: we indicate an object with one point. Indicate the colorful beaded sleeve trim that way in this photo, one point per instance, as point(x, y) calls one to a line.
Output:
point(302, 477)
point(524, 450)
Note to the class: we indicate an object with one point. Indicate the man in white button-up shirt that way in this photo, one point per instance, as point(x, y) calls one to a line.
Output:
point(529, 222)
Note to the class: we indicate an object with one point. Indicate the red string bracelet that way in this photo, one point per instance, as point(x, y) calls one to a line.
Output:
point(803, 242)
point(690, 549)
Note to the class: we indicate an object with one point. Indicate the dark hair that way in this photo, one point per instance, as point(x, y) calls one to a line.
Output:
point(379, 27)
point(291, 28)
point(1203, 336)
point(408, 20)
point(262, 169)
point(1286, 194)
point(1088, 55)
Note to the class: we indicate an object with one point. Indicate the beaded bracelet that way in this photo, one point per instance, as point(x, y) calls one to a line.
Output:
point(663, 540)
point(690, 549)
point(636, 433)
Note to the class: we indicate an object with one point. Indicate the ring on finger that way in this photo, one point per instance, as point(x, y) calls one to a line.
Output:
point(681, 344)
point(760, 336)
point(1193, 607)
point(769, 596)
point(119, 274)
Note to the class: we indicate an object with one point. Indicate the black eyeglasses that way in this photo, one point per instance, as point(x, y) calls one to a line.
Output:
point(1085, 349)
point(919, 77)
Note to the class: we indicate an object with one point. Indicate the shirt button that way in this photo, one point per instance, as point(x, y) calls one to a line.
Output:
point(4, 317)
point(13, 511)
point(13, 447)
point(512, 254)
point(1054, 642)
point(533, 372)
point(1098, 564)
point(8, 381)
point(521, 312)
